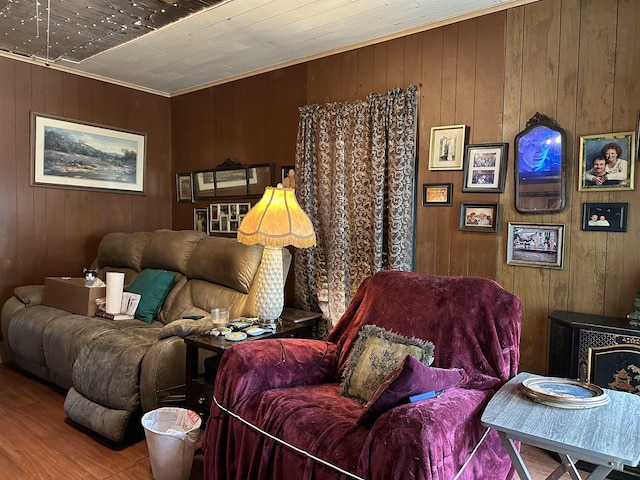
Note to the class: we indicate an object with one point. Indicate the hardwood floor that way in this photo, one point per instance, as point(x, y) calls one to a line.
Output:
point(38, 441)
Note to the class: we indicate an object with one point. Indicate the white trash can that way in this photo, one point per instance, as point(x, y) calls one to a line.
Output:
point(171, 435)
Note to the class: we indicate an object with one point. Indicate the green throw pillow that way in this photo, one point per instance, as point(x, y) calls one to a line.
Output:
point(375, 354)
point(153, 286)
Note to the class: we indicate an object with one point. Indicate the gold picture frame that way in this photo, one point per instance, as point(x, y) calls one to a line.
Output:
point(446, 151)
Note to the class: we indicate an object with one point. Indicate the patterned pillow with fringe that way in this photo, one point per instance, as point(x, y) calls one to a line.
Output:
point(375, 354)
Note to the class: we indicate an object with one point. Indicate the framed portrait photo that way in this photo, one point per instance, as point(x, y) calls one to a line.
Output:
point(605, 217)
point(447, 147)
point(485, 167)
point(535, 245)
point(288, 176)
point(436, 194)
point(607, 161)
point(201, 220)
point(184, 187)
point(479, 217)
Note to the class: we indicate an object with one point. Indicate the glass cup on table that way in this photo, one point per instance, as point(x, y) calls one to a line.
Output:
point(220, 317)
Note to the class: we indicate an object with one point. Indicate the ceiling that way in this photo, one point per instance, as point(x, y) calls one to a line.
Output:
point(173, 47)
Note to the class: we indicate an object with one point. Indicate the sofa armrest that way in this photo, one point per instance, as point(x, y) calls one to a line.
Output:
point(253, 367)
point(162, 373)
point(433, 438)
point(29, 294)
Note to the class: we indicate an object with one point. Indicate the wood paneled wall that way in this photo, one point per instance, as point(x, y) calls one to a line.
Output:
point(52, 231)
point(574, 60)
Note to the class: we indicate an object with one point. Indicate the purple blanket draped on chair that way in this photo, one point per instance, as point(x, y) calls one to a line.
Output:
point(289, 388)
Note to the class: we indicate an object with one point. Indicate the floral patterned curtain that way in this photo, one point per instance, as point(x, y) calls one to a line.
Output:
point(355, 169)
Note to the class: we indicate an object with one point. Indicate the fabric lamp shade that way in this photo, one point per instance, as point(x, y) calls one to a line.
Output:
point(275, 222)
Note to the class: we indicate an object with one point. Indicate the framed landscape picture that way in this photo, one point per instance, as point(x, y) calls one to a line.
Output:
point(535, 245)
point(72, 154)
point(485, 167)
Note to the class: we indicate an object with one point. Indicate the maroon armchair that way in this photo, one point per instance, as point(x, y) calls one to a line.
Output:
point(289, 390)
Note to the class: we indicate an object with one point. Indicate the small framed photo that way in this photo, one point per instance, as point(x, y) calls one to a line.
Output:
point(184, 187)
point(436, 194)
point(485, 167)
point(479, 217)
point(535, 245)
point(607, 161)
point(605, 217)
point(201, 220)
point(288, 176)
point(447, 147)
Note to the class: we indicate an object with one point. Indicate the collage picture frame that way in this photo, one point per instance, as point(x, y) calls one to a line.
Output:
point(227, 217)
point(485, 167)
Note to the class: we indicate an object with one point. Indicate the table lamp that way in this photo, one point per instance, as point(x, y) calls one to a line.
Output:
point(275, 222)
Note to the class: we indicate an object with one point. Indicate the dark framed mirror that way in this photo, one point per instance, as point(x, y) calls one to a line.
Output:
point(232, 179)
point(540, 157)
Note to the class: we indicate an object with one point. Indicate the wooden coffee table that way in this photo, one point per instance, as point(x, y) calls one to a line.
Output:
point(607, 436)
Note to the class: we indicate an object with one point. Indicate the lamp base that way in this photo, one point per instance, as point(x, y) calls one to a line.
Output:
point(270, 287)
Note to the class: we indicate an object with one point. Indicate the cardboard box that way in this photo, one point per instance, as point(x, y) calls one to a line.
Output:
point(70, 294)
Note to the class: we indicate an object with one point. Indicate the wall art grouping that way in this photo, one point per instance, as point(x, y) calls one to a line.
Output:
point(220, 217)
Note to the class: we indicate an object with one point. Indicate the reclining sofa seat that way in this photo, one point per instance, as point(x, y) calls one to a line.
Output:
point(116, 370)
point(290, 389)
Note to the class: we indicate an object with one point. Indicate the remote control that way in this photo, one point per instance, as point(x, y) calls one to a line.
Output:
point(255, 331)
point(193, 317)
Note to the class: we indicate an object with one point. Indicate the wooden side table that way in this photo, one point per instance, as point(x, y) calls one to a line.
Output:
point(607, 436)
point(302, 317)
point(199, 388)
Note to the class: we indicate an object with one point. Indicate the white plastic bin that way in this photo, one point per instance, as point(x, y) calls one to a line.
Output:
point(171, 435)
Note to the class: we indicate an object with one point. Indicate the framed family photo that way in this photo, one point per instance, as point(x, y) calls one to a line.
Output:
point(604, 217)
point(447, 147)
point(607, 161)
point(535, 245)
point(288, 176)
point(485, 167)
point(72, 154)
point(479, 217)
point(436, 194)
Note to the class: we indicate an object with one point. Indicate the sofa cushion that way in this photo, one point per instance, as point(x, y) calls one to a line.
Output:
point(411, 377)
point(184, 328)
point(122, 250)
point(170, 250)
point(226, 262)
point(376, 353)
point(153, 287)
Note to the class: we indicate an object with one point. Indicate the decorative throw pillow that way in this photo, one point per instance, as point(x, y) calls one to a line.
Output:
point(153, 286)
point(411, 377)
point(375, 354)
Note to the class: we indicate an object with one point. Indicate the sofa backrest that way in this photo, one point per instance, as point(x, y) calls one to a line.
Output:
point(211, 271)
point(473, 322)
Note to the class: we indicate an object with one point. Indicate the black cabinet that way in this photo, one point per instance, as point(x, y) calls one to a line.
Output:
point(598, 349)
